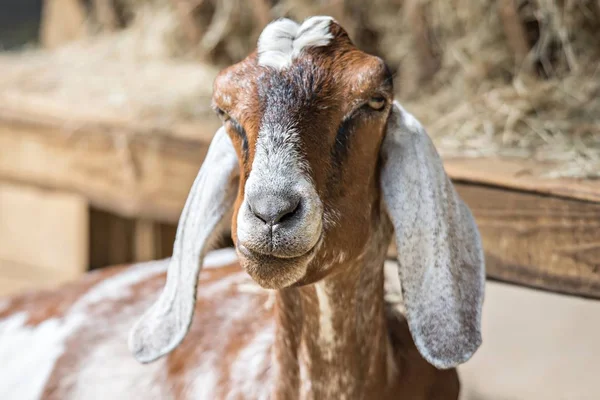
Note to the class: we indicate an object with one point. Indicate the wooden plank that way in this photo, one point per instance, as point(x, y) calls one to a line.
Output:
point(146, 240)
point(521, 174)
point(19, 271)
point(62, 21)
point(136, 171)
point(10, 286)
point(166, 239)
point(538, 241)
point(52, 112)
point(106, 15)
point(32, 248)
point(133, 175)
point(111, 239)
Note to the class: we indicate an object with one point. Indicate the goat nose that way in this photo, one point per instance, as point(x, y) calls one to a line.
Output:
point(272, 209)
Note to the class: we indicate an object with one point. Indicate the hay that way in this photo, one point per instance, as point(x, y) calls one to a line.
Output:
point(482, 102)
point(488, 78)
point(509, 78)
point(132, 75)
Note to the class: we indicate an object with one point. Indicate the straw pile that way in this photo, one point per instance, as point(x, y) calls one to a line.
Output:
point(510, 78)
point(526, 89)
point(513, 78)
point(130, 74)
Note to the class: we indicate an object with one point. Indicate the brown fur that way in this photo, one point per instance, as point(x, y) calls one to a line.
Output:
point(370, 354)
point(354, 229)
point(45, 304)
point(296, 312)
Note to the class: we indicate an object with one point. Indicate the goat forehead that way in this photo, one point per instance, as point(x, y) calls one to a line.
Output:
point(295, 92)
point(284, 40)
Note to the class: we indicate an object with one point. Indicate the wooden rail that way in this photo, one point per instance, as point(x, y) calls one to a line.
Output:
point(125, 167)
point(538, 232)
point(539, 241)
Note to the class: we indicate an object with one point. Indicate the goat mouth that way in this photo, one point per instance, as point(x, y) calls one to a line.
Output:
point(260, 256)
point(274, 272)
point(281, 249)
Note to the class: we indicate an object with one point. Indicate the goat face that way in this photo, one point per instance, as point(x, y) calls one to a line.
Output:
point(307, 130)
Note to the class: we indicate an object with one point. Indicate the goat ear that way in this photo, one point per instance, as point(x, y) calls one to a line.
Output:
point(440, 259)
point(211, 198)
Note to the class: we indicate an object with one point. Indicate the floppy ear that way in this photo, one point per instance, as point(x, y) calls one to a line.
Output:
point(212, 195)
point(440, 260)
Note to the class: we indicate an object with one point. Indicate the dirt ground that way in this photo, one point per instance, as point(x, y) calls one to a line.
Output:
point(536, 345)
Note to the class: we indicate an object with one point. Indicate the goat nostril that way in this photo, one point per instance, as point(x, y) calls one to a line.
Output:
point(257, 214)
point(289, 214)
point(285, 215)
point(273, 210)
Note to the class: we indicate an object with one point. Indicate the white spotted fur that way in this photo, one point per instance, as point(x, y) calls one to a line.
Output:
point(29, 354)
point(253, 359)
point(326, 331)
point(283, 40)
point(22, 347)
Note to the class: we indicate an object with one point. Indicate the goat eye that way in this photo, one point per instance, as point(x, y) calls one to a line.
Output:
point(223, 115)
point(377, 103)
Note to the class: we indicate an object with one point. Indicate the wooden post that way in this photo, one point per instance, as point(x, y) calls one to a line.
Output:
point(147, 238)
point(538, 241)
point(62, 21)
point(43, 237)
point(106, 14)
point(545, 242)
point(111, 239)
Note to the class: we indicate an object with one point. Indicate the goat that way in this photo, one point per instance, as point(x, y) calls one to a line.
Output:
point(316, 167)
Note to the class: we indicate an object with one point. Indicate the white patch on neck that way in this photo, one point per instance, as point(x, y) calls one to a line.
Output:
point(341, 257)
point(326, 332)
point(305, 364)
point(283, 40)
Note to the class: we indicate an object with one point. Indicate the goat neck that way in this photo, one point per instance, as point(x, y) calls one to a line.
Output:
point(331, 339)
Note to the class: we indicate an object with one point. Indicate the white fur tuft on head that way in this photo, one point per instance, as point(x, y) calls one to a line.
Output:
point(283, 40)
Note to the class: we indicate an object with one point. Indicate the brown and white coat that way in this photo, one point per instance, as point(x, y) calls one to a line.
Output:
point(316, 168)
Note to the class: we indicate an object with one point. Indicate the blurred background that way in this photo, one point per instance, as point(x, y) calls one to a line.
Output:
point(105, 119)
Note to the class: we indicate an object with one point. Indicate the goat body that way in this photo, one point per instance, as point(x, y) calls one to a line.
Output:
point(316, 168)
point(71, 343)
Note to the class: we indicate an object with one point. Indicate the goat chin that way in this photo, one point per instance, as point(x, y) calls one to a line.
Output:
point(272, 272)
